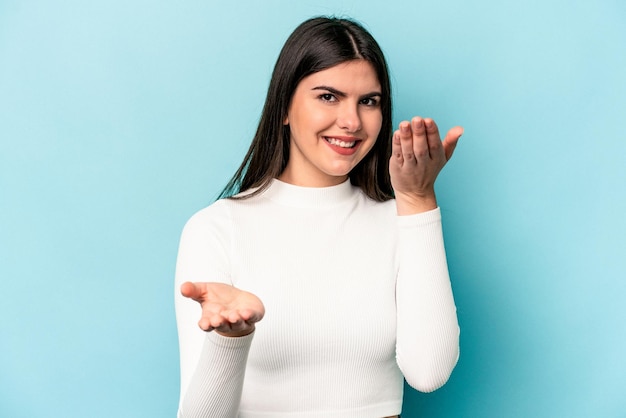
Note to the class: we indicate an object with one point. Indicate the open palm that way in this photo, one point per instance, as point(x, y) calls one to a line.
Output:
point(230, 311)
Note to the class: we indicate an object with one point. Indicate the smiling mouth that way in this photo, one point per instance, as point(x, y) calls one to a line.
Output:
point(340, 143)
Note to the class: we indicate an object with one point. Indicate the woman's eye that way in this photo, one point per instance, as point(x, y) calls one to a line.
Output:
point(369, 101)
point(327, 97)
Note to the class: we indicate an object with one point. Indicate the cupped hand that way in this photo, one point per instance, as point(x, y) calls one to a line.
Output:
point(417, 157)
point(230, 311)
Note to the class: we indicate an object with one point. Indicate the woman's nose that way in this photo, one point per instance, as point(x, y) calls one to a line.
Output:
point(349, 118)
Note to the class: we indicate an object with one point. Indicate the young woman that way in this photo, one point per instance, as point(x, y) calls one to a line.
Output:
point(330, 234)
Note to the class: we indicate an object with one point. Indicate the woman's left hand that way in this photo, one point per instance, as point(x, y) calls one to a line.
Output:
point(417, 157)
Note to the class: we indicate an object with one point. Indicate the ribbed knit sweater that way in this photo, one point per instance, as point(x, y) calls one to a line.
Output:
point(356, 297)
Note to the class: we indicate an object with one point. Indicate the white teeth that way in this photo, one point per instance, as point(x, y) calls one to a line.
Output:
point(340, 143)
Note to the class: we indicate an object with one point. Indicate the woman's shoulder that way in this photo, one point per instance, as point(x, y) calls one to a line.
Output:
point(213, 216)
point(220, 211)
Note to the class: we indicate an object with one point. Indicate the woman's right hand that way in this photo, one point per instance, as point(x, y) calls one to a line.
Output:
point(229, 311)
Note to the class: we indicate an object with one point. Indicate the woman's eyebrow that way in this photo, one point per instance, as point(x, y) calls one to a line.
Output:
point(331, 90)
point(342, 94)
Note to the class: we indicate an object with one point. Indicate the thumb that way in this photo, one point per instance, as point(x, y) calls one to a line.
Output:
point(192, 291)
point(450, 141)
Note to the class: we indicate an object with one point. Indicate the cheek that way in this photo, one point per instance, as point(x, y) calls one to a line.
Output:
point(374, 124)
point(309, 119)
point(319, 118)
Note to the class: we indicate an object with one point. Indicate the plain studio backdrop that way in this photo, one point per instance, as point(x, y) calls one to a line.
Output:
point(120, 119)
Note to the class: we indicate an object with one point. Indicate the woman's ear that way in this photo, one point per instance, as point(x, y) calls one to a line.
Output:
point(286, 120)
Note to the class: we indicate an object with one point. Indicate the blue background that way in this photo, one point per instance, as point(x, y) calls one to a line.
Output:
point(119, 119)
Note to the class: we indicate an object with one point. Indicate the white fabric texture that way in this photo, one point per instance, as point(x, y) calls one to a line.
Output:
point(356, 297)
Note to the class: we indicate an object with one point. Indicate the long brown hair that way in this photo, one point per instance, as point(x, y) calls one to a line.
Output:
point(315, 45)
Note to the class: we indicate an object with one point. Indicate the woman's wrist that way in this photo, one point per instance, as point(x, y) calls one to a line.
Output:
point(413, 203)
point(236, 334)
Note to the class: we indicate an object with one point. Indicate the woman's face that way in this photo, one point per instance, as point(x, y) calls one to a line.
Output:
point(334, 119)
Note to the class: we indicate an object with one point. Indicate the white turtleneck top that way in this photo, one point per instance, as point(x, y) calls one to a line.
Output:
point(356, 297)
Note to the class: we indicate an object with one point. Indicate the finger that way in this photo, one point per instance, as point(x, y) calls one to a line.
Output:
point(211, 321)
point(420, 139)
point(451, 140)
point(396, 148)
point(251, 316)
point(233, 317)
point(238, 326)
point(190, 290)
point(205, 324)
point(433, 137)
point(406, 144)
point(208, 323)
point(218, 321)
point(232, 322)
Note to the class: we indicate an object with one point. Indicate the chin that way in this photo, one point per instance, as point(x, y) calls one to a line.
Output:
point(339, 173)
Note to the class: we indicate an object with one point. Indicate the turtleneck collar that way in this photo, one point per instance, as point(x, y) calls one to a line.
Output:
point(309, 197)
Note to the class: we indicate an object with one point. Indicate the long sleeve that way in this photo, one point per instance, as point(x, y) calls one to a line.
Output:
point(212, 367)
point(427, 347)
point(215, 388)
